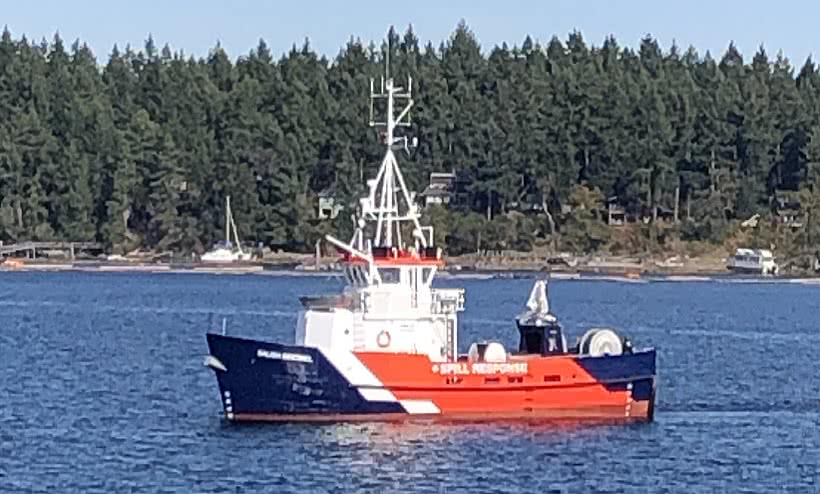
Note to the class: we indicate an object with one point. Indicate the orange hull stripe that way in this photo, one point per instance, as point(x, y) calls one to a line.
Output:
point(552, 386)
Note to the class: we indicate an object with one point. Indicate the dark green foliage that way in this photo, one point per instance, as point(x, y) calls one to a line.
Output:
point(141, 152)
point(585, 232)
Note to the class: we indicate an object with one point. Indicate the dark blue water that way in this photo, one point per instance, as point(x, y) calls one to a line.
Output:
point(102, 389)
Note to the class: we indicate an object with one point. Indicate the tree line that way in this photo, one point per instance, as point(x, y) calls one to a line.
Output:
point(142, 150)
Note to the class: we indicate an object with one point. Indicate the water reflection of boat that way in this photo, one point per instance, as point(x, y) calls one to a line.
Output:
point(392, 435)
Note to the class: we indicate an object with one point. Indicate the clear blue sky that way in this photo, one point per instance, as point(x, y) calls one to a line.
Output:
point(195, 25)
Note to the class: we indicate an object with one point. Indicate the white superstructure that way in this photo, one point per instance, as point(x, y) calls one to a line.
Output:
point(388, 303)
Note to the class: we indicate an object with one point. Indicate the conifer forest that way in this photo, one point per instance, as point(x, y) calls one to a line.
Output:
point(138, 149)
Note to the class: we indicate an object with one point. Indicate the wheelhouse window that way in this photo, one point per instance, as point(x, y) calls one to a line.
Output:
point(356, 275)
point(426, 275)
point(390, 275)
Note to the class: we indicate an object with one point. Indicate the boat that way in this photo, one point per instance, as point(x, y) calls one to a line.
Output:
point(386, 347)
point(225, 251)
point(753, 261)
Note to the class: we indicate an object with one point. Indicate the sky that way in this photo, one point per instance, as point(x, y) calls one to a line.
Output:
point(195, 26)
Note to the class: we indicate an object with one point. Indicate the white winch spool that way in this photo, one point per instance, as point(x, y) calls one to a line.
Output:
point(598, 342)
point(492, 351)
point(495, 353)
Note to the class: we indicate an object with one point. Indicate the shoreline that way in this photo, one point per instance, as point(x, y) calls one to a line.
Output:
point(588, 273)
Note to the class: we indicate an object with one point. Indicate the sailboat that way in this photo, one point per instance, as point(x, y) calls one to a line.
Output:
point(225, 251)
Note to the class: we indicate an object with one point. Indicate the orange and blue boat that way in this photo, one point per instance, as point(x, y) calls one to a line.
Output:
point(386, 347)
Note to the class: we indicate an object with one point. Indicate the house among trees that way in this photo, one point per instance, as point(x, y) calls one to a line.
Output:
point(328, 207)
point(787, 209)
point(617, 214)
point(661, 214)
point(444, 188)
point(528, 204)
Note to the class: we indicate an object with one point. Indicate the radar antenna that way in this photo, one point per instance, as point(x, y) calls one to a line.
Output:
point(389, 181)
point(388, 190)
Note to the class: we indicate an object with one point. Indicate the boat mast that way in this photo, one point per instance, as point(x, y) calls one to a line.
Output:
point(387, 215)
point(227, 220)
point(388, 188)
point(230, 224)
point(236, 235)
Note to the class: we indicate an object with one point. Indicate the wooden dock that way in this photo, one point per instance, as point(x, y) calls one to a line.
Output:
point(31, 248)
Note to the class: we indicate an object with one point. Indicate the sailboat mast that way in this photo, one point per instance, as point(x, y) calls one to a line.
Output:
point(236, 235)
point(227, 219)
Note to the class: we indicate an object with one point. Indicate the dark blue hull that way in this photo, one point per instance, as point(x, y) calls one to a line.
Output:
point(263, 381)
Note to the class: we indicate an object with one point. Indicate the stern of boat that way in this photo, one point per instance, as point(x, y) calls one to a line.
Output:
point(634, 374)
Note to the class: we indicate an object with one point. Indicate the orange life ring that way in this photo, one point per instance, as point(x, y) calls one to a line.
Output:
point(383, 339)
